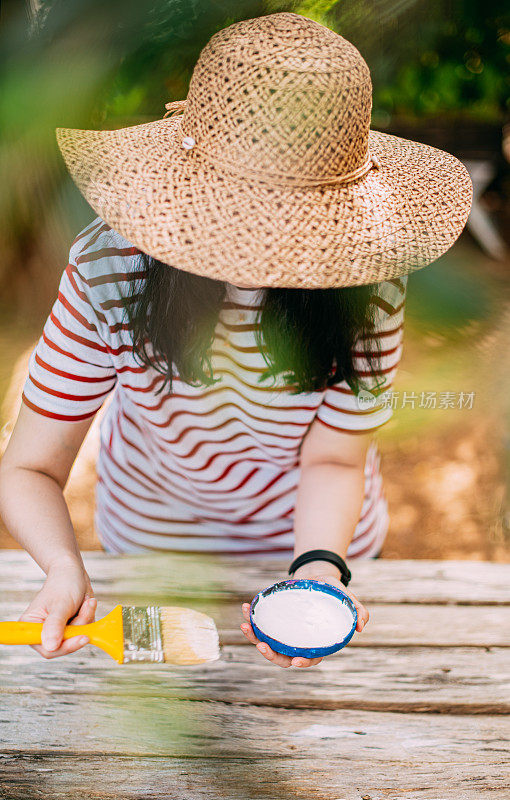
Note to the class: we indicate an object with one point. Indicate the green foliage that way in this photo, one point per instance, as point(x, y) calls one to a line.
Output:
point(462, 70)
point(450, 295)
point(428, 57)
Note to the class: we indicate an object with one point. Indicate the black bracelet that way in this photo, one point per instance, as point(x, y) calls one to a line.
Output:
point(322, 555)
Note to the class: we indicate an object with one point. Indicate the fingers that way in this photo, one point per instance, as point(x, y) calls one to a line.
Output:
point(363, 615)
point(68, 647)
point(54, 626)
point(246, 611)
point(85, 615)
point(53, 630)
point(248, 632)
point(263, 648)
point(33, 615)
point(275, 658)
point(87, 612)
point(285, 661)
point(298, 661)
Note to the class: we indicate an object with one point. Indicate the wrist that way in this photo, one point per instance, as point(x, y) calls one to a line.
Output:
point(65, 562)
point(318, 569)
point(320, 555)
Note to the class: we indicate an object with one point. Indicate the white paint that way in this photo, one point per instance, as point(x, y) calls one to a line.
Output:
point(326, 732)
point(303, 618)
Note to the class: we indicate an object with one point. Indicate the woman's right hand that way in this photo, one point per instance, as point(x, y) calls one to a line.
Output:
point(66, 598)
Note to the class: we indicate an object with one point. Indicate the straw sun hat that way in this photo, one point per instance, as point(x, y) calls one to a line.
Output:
point(268, 173)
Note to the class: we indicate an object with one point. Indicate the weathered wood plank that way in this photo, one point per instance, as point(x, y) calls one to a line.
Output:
point(149, 727)
point(106, 778)
point(82, 727)
point(264, 755)
point(406, 626)
point(164, 576)
point(411, 679)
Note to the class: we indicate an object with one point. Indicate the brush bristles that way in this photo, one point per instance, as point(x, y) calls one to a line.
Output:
point(189, 637)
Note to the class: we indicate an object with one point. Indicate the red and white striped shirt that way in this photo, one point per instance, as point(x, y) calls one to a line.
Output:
point(199, 468)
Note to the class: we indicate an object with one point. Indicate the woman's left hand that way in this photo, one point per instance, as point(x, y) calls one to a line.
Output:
point(316, 574)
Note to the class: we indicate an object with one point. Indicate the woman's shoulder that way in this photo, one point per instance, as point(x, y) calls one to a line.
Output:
point(104, 264)
point(392, 293)
point(389, 300)
point(102, 256)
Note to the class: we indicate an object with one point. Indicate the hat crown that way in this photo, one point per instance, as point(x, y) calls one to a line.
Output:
point(283, 93)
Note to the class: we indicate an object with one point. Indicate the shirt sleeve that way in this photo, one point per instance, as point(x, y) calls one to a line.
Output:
point(70, 370)
point(366, 411)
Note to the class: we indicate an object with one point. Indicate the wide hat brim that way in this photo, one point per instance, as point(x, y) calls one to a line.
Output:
point(198, 216)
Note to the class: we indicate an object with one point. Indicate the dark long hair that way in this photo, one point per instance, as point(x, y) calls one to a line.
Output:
point(306, 336)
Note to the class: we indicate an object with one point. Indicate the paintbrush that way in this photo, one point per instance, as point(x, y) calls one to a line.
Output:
point(169, 634)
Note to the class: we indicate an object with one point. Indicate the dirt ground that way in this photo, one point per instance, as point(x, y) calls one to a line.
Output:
point(446, 496)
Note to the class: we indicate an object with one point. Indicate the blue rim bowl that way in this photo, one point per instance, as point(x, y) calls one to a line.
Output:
point(304, 652)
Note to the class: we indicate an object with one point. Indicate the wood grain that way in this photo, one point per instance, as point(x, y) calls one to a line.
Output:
point(162, 577)
point(131, 746)
point(409, 625)
point(147, 726)
point(413, 709)
point(412, 679)
point(72, 777)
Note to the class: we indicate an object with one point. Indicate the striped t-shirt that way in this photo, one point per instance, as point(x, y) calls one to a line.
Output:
point(211, 468)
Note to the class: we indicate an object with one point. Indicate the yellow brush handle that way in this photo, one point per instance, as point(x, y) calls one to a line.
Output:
point(106, 633)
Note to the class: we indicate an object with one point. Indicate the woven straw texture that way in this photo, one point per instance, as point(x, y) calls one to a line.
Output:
point(268, 174)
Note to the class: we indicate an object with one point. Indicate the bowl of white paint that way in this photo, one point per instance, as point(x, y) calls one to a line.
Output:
point(303, 618)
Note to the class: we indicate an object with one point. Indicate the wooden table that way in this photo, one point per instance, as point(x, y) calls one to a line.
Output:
point(415, 707)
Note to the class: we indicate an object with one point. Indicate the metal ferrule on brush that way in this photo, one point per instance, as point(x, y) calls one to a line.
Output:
point(143, 639)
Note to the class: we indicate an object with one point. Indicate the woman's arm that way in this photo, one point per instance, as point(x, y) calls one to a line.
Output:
point(33, 473)
point(328, 506)
point(71, 372)
point(330, 493)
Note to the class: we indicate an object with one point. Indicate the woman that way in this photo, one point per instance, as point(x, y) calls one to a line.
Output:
point(244, 281)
